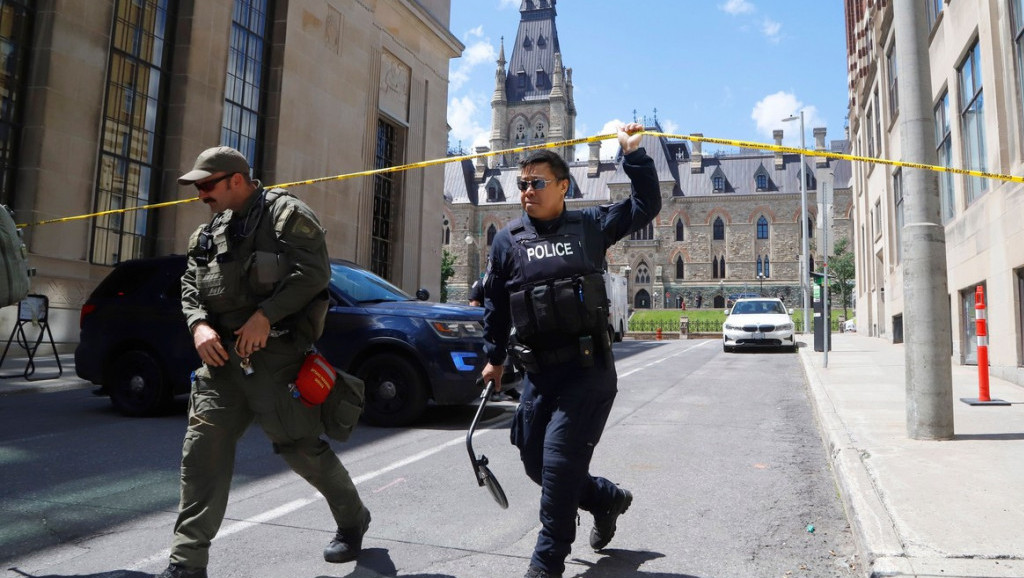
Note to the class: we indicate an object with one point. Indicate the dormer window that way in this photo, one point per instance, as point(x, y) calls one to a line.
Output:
point(521, 78)
point(541, 78)
point(495, 194)
point(527, 43)
point(762, 182)
point(718, 180)
point(541, 41)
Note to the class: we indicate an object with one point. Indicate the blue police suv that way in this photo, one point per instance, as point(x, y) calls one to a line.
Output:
point(408, 351)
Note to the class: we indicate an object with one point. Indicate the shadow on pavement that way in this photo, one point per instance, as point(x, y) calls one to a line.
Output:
point(623, 564)
point(376, 563)
point(111, 574)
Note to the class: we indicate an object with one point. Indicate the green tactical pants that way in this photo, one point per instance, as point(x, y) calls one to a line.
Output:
point(224, 402)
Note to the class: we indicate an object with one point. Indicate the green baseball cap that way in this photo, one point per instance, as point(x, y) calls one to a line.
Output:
point(216, 160)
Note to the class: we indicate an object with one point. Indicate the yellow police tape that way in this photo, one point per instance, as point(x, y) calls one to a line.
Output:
point(568, 143)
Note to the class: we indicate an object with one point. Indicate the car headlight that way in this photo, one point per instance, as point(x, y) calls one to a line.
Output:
point(456, 329)
point(784, 327)
point(732, 327)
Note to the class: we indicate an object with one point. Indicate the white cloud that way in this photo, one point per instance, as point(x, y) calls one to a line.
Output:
point(669, 126)
point(771, 29)
point(737, 7)
point(466, 128)
point(609, 147)
point(474, 55)
point(770, 110)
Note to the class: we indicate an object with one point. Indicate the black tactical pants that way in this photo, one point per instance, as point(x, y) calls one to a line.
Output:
point(224, 402)
point(561, 415)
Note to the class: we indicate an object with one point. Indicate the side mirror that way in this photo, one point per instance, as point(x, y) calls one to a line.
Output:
point(790, 310)
point(726, 311)
point(422, 294)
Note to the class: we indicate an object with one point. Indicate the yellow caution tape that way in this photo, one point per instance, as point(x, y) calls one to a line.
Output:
point(568, 143)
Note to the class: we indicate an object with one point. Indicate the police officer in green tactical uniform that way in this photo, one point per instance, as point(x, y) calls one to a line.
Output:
point(254, 296)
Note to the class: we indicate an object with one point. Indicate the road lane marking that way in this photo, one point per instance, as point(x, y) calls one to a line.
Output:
point(659, 360)
point(294, 505)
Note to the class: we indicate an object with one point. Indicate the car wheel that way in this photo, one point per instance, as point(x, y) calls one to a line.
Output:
point(395, 392)
point(136, 384)
point(622, 332)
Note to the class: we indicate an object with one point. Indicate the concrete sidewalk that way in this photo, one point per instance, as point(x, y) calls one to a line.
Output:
point(45, 376)
point(921, 508)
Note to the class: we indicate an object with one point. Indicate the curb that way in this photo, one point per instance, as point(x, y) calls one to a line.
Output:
point(874, 531)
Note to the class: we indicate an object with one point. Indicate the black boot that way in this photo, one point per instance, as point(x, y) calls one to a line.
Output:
point(179, 571)
point(604, 522)
point(348, 542)
point(535, 572)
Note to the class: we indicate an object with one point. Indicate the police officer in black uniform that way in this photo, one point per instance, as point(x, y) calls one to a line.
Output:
point(545, 278)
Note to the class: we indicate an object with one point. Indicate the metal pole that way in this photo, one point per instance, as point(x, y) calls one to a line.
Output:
point(929, 374)
point(826, 313)
point(805, 281)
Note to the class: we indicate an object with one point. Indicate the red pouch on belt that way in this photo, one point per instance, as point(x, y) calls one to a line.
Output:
point(315, 380)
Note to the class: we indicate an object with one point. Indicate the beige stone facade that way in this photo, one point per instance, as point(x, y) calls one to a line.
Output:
point(976, 60)
point(333, 72)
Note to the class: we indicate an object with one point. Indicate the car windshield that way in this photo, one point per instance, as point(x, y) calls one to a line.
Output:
point(757, 307)
point(362, 286)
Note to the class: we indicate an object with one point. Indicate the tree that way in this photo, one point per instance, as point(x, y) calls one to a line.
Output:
point(447, 271)
point(842, 273)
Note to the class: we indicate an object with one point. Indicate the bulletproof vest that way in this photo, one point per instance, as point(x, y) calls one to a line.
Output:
point(239, 262)
point(14, 272)
point(559, 290)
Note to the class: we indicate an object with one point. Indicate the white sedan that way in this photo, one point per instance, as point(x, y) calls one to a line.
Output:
point(760, 323)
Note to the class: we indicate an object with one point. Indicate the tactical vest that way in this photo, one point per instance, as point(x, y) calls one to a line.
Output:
point(239, 263)
point(14, 273)
point(559, 291)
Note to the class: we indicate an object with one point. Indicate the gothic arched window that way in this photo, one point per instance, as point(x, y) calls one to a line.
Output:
point(643, 274)
point(714, 268)
point(767, 267)
point(679, 267)
point(679, 230)
point(644, 234)
point(491, 232)
point(762, 228)
point(718, 233)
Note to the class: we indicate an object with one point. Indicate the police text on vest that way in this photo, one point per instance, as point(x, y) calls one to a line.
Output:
point(549, 250)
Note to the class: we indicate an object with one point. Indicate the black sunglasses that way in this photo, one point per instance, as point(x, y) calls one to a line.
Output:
point(537, 184)
point(207, 186)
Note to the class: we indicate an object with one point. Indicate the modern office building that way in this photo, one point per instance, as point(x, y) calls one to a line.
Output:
point(976, 69)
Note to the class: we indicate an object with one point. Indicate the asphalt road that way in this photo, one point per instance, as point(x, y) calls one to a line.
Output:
point(720, 451)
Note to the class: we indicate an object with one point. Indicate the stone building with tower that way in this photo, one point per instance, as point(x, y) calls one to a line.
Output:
point(729, 224)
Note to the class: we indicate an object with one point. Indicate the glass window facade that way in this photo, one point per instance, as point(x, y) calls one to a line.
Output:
point(244, 96)
point(972, 120)
point(386, 193)
point(897, 201)
point(15, 26)
point(944, 148)
point(132, 133)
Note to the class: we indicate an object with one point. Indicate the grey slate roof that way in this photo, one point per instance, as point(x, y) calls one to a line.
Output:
point(535, 46)
point(738, 169)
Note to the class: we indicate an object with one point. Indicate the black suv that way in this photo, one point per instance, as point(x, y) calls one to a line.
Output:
point(135, 345)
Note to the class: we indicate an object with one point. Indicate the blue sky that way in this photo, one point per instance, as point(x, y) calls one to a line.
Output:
point(726, 68)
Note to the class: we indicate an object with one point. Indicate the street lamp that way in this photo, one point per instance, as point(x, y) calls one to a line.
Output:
point(804, 272)
point(760, 279)
point(655, 304)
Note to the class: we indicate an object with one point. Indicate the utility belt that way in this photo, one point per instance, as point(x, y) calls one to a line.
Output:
point(584, 352)
point(570, 307)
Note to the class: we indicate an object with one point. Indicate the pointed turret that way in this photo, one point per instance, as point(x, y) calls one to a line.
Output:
point(499, 110)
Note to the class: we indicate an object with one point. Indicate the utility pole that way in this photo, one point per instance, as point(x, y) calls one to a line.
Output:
point(805, 268)
point(929, 373)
